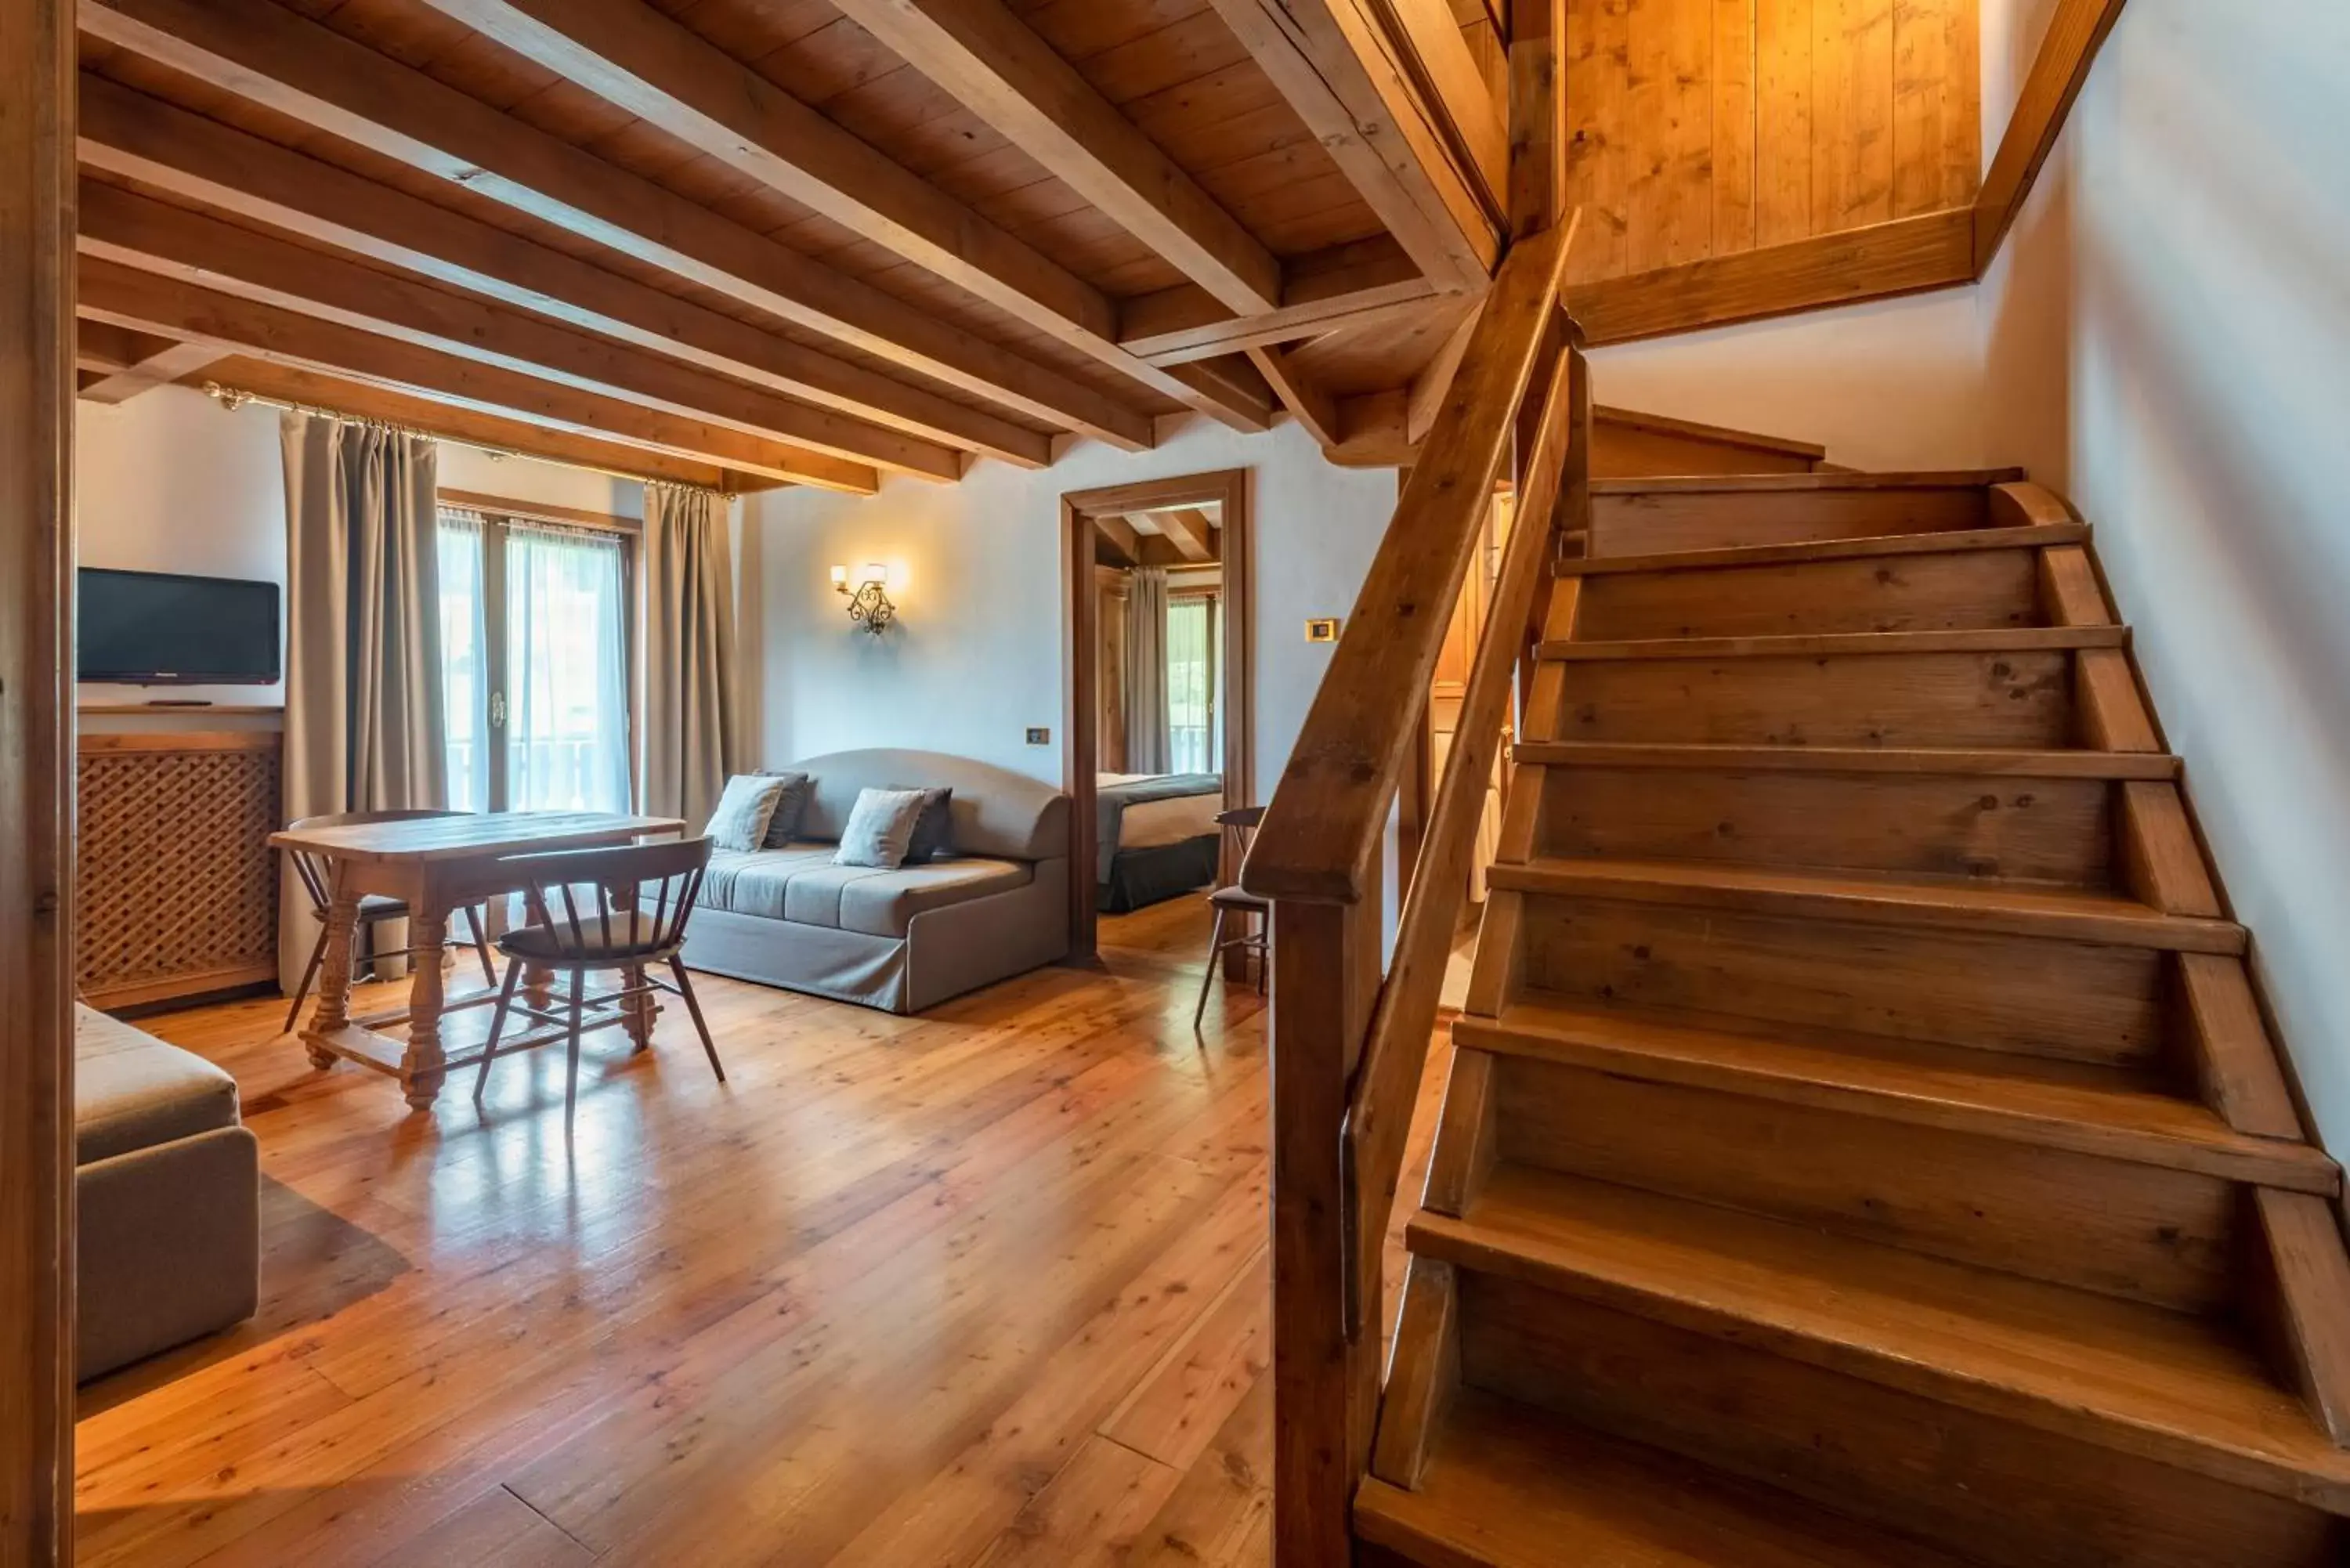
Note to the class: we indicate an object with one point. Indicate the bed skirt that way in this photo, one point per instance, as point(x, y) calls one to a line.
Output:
point(1138, 877)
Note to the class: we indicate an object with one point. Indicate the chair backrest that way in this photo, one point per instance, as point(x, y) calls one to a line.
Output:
point(660, 882)
point(309, 867)
point(1240, 825)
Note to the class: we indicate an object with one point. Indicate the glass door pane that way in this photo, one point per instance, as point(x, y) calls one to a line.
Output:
point(1190, 685)
point(567, 720)
point(465, 677)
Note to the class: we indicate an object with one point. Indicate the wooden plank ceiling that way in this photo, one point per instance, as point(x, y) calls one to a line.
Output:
point(754, 242)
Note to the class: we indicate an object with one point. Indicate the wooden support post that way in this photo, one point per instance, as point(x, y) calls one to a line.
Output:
point(1538, 135)
point(37, 760)
point(1325, 976)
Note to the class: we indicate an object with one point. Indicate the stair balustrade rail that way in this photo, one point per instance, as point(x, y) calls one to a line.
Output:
point(1351, 1031)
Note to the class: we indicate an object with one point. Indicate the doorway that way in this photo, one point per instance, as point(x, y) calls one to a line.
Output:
point(1157, 715)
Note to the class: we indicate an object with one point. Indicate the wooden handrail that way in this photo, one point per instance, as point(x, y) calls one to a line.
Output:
point(1350, 1033)
point(1323, 827)
point(1395, 1055)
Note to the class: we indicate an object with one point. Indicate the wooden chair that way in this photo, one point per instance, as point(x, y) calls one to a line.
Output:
point(640, 898)
point(374, 909)
point(1240, 822)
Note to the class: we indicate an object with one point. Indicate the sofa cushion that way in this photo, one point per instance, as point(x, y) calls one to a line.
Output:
point(801, 884)
point(131, 1091)
point(996, 812)
point(785, 826)
point(881, 828)
point(744, 810)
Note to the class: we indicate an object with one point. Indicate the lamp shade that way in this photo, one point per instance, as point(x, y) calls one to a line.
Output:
point(873, 572)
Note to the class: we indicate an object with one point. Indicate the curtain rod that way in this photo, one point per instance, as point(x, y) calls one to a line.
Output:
point(234, 398)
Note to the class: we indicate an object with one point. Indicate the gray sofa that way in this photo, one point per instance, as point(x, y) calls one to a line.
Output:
point(168, 1196)
point(903, 940)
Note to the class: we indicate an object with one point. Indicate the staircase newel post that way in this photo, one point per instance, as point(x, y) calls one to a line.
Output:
point(1326, 978)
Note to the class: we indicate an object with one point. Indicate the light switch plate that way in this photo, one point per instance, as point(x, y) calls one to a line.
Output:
point(1322, 628)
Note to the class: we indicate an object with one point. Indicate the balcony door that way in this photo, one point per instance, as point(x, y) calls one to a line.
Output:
point(535, 660)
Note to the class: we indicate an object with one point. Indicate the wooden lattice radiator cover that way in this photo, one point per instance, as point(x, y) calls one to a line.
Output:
point(176, 886)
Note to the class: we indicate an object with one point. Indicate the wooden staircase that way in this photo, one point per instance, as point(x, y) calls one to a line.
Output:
point(1863, 1145)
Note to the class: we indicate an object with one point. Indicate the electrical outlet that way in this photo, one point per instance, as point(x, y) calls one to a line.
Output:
point(1322, 628)
point(1039, 736)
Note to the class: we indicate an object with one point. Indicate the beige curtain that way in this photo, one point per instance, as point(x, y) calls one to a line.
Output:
point(1146, 672)
point(365, 728)
point(691, 732)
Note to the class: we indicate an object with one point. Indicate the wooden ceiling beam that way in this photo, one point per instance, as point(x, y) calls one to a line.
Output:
point(1119, 541)
point(154, 236)
point(1188, 530)
point(166, 148)
point(1228, 390)
point(311, 74)
point(1307, 403)
point(636, 58)
point(468, 427)
point(169, 363)
point(1343, 286)
point(105, 347)
point(1339, 65)
point(149, 302)
point(990, 61)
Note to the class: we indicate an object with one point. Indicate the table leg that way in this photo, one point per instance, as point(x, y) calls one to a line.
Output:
point(639, 1010)
point(334, 1010)
point(537, 979)
point(420, 1067)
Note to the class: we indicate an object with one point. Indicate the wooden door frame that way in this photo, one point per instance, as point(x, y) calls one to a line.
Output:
point(1228, 489)
point(36, 781)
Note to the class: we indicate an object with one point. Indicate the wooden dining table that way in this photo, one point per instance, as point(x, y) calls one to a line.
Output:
point(437, 866)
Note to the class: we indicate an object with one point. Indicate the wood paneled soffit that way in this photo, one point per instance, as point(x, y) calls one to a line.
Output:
point(990, 61)
point(155, 236)
point(1389, 87)
point(129, 134)
point(147, 302)
point(668, 76)
point(315, 76)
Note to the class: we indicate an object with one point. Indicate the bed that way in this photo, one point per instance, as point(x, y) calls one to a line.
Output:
point(1157, 837)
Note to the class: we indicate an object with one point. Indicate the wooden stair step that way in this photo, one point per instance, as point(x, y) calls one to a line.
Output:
point(1780, 484)
point(1993, 1095)
point(1846, 644)
point(1988, 761)
point(2177, 1389)
point(1864, 548)
point(1986, 907)
point(1512, 1486)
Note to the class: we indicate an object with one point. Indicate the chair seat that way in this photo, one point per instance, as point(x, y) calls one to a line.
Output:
point(1238, 899)
point(631, 937)
point(381, 907)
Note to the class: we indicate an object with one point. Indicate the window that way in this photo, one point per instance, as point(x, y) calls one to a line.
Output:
point(1194, 739)
point(533, 627)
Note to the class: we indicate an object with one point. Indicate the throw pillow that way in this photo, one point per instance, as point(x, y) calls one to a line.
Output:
point(934, 829)
point(785, 826)
point(881, 828)
point(744, 812)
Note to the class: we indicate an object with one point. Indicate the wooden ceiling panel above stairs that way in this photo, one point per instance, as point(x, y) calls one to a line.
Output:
point(1862, 1144)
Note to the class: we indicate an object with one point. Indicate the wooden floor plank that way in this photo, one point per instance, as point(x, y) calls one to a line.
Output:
point(896, 1292)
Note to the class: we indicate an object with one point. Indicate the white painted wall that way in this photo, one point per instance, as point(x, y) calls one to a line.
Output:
point(170, 481)
point(2188, 247)
point(977, 655)
point(1891, 384)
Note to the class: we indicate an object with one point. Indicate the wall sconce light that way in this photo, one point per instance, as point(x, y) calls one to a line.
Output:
point(868, 603)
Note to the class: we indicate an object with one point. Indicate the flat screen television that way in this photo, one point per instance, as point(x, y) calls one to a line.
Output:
point(156, 628)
